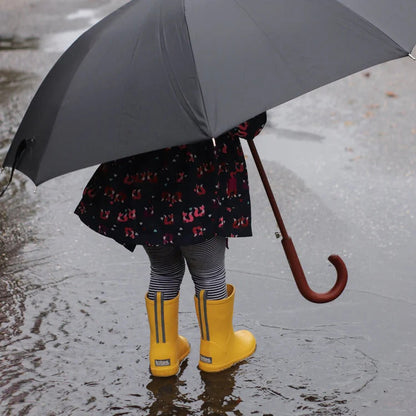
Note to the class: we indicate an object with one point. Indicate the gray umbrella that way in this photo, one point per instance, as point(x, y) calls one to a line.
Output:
point(158, 73)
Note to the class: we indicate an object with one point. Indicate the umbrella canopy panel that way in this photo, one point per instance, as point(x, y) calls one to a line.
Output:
point(126, 86)
point(396, 18)
point(273, 51)
point(159, 73)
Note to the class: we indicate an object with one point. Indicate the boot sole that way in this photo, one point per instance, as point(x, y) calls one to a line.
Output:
point(209, 368)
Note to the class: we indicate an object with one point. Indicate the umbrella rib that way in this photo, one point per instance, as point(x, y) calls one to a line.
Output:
point(84, 40)
point(281, 56)
point(196, 69)
point(363, 19)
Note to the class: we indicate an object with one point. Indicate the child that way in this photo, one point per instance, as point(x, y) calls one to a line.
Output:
point(181, 204)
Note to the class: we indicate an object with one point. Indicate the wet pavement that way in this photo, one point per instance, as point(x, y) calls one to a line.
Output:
point(342, 161)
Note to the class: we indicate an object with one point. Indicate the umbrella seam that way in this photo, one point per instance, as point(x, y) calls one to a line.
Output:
point(196, 69)
point(181, 98)
point(363, 19)
point(83, 39)
point(293, 72)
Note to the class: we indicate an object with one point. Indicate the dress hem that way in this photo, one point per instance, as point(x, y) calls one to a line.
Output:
point(145, 241)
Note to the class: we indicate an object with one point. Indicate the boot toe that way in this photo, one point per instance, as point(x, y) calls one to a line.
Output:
point(245, 344)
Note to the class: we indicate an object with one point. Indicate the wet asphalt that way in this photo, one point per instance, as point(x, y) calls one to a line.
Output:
point(342, 161)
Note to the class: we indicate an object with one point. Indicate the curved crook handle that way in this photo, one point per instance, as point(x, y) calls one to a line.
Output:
point(290, 251)
point(300, 279)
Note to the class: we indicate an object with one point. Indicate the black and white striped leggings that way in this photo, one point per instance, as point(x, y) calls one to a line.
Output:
point(205, 262)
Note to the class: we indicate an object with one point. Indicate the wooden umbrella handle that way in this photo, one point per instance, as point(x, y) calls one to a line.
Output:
point(290, 251)
point(302, 283)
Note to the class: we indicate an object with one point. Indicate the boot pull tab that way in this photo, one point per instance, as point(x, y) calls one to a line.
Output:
point(160, 318)
point(203, 318)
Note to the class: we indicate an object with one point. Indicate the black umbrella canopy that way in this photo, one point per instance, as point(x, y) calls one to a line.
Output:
point(159, 73)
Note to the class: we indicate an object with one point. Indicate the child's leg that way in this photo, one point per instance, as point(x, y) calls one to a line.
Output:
point(167, 268)
point(167, 347)
point(221, 346)
point(207, 267)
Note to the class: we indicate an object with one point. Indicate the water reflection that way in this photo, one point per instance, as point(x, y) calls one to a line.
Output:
point(19, 350)
point(171, 396)
point(217, 395)
point(13, 374)
point(168, 399)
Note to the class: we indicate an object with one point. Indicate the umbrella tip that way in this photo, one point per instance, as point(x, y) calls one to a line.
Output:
point(411, 56)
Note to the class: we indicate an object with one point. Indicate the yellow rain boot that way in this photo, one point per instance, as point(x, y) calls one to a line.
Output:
point(167, 348)
point(221, 347)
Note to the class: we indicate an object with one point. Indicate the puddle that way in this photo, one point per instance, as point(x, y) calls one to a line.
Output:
point(14, 42)
point(10, 81)
point(12, 234)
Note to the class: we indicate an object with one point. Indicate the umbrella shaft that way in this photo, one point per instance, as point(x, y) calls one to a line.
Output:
point(268, 189)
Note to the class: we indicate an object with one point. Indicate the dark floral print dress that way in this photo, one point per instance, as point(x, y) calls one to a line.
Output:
point(180, 195)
